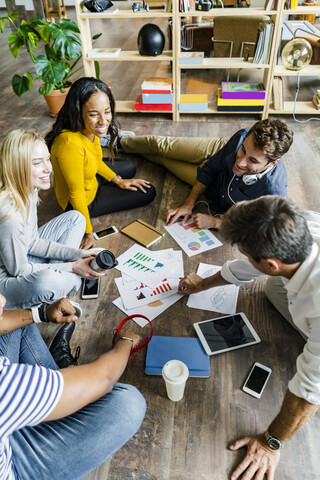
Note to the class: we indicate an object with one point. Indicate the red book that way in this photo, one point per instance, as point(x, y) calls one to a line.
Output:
point(162, 107)
point(156, 91)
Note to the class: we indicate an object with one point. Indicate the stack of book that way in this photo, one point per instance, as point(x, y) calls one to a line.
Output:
point(191, 58)
point(193, 103)
point(104, 52)
point(241, 97)
point(278, 95)
point(263, 42)
point(316, 99)
point(156, 95)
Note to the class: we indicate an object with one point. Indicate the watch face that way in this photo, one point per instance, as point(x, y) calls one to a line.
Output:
point(274, 443)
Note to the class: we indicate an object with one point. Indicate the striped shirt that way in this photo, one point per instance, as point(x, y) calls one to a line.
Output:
point(28, 394)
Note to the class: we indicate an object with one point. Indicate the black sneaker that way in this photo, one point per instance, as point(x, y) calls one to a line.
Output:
point(60, 349)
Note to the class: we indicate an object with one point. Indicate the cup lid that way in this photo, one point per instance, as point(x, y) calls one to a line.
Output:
point(105, 259)
point(175, 371)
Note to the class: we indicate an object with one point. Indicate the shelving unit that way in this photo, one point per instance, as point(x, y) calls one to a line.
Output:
point(302, 106)
point(269, 70)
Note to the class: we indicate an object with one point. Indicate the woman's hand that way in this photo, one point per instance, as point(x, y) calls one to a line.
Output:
point(134, 184)
point(136, 339)
point(82, 268)
point(88, 241)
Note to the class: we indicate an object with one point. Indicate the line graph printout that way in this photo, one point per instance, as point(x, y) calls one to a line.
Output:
point(191, 239)
point(144, 265)
point(138, 297)
point(218, 299)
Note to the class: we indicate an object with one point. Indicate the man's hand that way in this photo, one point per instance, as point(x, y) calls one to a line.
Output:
point(61, 311)
point(88, 241)
point(259, 460)
point(184, 211)
point(136, 339)
point(81, 267)
point(191, 283)
point(206, 221)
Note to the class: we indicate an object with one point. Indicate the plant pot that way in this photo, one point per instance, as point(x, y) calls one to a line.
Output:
point(55, 100)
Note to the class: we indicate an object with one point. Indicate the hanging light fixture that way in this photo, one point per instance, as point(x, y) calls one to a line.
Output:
point(296, 54)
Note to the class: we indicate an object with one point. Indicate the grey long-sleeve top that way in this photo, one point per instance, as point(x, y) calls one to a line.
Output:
point(18, 240)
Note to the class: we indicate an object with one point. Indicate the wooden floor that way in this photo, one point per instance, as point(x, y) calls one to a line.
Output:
point(188, 440)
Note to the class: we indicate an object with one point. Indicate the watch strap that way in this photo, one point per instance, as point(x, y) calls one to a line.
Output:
point(273, 442)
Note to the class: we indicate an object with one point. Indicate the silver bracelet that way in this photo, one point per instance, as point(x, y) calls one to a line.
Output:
point(128, 338)
point(35, 314)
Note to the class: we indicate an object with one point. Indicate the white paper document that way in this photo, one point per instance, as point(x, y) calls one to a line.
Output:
point(135, 296)
point(143, 265)
point(191, 239)
point(151, 311)
point(221, 299)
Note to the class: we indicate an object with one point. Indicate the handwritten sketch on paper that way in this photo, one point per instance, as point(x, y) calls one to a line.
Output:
point(191, 239)
point(221, 299)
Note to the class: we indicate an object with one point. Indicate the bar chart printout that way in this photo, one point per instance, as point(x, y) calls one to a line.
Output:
point(191, 239)
point(143, 265)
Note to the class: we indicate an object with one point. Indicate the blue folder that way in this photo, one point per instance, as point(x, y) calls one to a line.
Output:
point(188, 350)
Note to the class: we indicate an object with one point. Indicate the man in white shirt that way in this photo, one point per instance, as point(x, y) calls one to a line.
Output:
point(280, 241)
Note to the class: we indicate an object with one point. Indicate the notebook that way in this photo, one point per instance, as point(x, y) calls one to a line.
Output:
point(142, 232)
point(187, 349)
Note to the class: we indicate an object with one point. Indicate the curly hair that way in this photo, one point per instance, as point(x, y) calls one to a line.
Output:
point(272, 136)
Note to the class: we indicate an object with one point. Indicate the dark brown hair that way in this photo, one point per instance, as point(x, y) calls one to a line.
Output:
point(273, 137)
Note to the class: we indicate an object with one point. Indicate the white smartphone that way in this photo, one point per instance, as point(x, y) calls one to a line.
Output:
point(256, 380)
point(90, 288)
point(105, 233)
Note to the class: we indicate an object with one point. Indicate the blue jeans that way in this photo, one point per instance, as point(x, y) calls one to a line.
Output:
point(69, 448)
point(26, 345)
point(47, 285)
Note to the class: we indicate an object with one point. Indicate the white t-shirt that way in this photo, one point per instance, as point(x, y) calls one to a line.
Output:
point(28, 393)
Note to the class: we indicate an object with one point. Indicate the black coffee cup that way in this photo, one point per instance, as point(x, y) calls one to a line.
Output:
point(105, 260)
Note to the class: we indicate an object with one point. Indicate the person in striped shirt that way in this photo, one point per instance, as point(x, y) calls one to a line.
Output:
point(61, 424)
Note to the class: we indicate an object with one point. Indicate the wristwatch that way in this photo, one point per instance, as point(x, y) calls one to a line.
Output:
point(273, 442)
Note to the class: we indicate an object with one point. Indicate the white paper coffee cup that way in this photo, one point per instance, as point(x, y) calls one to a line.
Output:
point(175, 374)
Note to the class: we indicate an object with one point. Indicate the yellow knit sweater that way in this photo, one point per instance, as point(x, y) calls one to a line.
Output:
point(76, 161)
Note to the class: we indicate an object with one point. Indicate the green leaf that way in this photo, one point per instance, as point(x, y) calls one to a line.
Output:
point(34, 40)
point(97, 69)
point(66, 42)
point(95, 37)
point(2, 24)
point(22, 84)
point(46, 89)
point(45, 33)
point(51, 71)
point(15, 42)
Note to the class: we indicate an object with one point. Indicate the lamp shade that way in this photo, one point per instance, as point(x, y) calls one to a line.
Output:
point(296, 54)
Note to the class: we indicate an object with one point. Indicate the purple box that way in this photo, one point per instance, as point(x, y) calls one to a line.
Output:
point(243, 90)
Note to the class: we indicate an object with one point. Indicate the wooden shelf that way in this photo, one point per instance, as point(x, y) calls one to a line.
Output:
point(225, 62)
point(132, 56)
point(270, 70)
point(306, 108)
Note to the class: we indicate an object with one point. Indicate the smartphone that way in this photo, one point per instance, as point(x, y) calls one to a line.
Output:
point(90, 288)
point(105, 233)
point(256, 380)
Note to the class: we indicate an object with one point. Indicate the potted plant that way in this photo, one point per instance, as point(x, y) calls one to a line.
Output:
point(62, 52)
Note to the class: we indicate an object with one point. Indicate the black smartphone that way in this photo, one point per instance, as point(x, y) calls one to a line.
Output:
point(256, 380)
point(90, 288)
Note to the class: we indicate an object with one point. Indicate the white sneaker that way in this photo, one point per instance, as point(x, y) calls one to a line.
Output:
point(105, 141)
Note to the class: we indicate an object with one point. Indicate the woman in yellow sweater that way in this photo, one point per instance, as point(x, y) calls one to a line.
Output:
point(83, 180)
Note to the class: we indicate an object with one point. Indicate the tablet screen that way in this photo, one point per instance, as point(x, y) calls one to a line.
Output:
point(226, 333)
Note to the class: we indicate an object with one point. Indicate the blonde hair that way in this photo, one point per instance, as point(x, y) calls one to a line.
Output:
point(16, 190)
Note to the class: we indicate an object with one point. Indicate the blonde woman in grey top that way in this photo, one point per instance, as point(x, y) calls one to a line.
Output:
point(36, 265)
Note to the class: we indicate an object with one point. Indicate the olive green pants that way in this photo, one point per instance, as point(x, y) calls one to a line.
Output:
point(180, 155)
